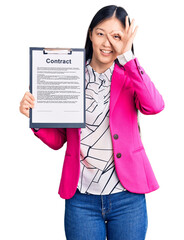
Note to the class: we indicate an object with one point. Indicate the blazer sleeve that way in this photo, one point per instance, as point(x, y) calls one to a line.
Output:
point(147, 98)
point(52, 137)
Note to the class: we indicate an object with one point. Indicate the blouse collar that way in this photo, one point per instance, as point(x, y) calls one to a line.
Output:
point(102, 79)
point(108, 72)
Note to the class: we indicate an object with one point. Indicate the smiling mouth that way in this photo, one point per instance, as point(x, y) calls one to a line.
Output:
point(104, 51)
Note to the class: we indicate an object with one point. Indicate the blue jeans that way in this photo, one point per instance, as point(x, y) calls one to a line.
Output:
point(117, 216)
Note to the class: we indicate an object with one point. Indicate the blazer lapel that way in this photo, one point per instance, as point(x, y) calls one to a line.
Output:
point(117, 83)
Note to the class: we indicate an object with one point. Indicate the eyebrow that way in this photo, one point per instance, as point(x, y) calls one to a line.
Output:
point(102, 29)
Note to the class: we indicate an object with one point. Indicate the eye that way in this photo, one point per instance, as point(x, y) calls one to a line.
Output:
point(117, 36)
point(100, 34)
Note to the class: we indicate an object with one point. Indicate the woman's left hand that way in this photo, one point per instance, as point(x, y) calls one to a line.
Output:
point(125, 39)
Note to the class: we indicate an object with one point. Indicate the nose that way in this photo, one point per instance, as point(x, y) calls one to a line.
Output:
point(106, 42)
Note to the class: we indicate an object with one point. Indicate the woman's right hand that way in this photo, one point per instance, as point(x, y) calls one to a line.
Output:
point(26, 103)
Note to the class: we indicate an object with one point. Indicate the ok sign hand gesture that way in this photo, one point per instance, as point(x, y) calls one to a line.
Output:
point(124, 39)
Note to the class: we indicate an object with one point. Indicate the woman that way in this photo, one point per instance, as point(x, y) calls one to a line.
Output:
point(106, 172)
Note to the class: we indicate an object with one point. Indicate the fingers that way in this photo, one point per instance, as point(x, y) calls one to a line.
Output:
point(121, 40)
point(126, 23)
point(30, 95)
point(131, 26)
point(29, 98)
point(26, 103)
point(111, 39)
point(134, 33)
point(114, 37)
point(129, 29)
point(116, 33)
point(24, 109)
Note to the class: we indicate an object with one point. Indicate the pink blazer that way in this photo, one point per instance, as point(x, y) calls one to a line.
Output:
point(130, 89)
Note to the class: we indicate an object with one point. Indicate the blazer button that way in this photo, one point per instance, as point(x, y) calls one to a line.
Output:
point(141, 70)
point(118, 155)
point(115, 136)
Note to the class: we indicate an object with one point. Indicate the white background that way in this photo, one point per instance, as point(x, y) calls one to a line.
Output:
point(30, 207)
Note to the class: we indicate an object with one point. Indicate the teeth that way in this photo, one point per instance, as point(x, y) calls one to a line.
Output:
point(106, 51)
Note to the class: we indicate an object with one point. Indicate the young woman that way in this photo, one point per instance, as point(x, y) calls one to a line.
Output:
point(106, 171)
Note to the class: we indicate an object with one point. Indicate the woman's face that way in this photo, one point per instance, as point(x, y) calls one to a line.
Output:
point(103, 52)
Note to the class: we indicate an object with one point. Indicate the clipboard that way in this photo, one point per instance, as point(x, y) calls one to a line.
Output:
point(57, 81)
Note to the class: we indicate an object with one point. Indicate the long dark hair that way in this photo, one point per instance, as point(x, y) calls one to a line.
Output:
point(105, 13)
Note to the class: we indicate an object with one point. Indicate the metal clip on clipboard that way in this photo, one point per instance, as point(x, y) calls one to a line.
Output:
point(66, 51)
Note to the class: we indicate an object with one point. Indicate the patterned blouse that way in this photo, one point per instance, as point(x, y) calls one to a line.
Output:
point(97, 169)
